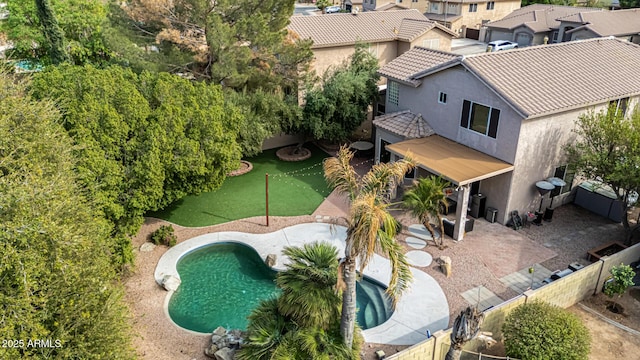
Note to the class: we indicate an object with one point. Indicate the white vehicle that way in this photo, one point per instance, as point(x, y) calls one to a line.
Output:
point(332, 9)
point(501, 45)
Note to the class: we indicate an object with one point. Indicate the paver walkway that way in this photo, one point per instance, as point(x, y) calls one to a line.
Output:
point(521, 281)
point(482, 297)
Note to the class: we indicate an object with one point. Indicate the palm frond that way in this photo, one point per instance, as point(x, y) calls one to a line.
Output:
point(401, 276)
point(383, 175)
point(340, 174)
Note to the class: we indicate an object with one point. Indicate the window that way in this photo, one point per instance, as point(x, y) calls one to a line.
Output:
point(373, 50)
point(619, 107)
point(480, 118)
point(554, 37)
point(473, 7)
point(452, 9)
point(491, 5)
point(566, 173)
point(435, 7)
point(431, 43)
point(414, 0)
point(392, 93)
point(442, 98)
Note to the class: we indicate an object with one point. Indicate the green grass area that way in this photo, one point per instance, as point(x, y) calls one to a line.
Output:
point(295, 188)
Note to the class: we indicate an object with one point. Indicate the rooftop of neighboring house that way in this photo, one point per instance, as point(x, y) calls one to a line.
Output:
point(538, 80)
point(368, 27)
point(380, 6)
point(538, 17)
point(607, 23)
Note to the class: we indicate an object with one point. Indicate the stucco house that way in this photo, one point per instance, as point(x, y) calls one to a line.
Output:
point(388, 33)
point(466, 17)
point(494, 123)
point(623, 24)
point(531, 24)
point(380, 5)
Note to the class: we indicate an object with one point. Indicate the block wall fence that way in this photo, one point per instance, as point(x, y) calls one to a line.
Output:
point(564, 292)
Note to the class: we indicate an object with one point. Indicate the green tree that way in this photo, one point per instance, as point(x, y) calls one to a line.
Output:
point(627, 4)
point(370, 227)
point(79, 36)
point(322, 4)
point(233, 43)
point(143, 141)
point(56, 281)
point(537, 331)
point(334, 110)
point(621, 279)
point(425, 199)
point(303, 322)
point(607, 147)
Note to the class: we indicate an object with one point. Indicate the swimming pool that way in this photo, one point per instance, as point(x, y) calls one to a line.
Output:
point(223, 282)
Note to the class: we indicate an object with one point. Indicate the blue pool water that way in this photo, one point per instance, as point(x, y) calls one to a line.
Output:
point(222, 283)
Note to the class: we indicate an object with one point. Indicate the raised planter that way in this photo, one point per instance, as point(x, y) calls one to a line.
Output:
point(287, 154)
point(244, 168)
point(611, 248)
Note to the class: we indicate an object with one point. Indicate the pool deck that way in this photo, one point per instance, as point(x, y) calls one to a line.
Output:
point(424, 306)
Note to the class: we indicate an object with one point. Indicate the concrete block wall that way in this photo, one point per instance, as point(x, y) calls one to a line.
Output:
point(626, 256)
point(494, 318)
point(570, 289)
point(420, 351)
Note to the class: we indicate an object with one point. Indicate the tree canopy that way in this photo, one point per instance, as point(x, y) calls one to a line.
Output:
point(56, 278)
point(81, 23)
point(607, 148)
point(142, 141)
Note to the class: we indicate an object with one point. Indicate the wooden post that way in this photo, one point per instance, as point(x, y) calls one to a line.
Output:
point(266, 183)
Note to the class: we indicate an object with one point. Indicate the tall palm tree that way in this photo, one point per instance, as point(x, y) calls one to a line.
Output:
point(302, 323)
point(425, 199)
point(370, 228)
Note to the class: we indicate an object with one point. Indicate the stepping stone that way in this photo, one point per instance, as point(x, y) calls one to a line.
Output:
point(415, 242)
point(420, 231)
point(419, 258)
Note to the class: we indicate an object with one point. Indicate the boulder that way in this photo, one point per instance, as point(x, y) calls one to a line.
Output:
point(271, 260)
point(215, 338)
point(147, 247)
point(220, 331)
point(225, 354)
point(445, 265)
point(211, 350)
point(170, 283)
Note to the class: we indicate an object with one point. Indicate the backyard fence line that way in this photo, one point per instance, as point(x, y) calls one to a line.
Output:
point(482, 356)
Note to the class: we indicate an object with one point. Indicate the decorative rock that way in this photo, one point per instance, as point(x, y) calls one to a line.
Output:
point(170, 283)
point(211, 350)
point(215, 338)
point(271, 260)
point(445, 265)
point(225, 354)
point(220, 331)
point(147, 247)
point(380, 355)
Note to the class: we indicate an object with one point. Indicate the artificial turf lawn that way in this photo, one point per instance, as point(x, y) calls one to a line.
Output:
point(295, 188)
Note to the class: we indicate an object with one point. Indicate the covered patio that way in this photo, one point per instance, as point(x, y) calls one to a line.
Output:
point(459, 164)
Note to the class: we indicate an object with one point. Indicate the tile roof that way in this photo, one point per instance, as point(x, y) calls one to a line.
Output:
point(545, 79)
point(442, 17)
point(540, 80)
point(390, 5)
point(371, 26)
point(537, 17)
point(404, 123)
point(407, 67)
point(608, 23)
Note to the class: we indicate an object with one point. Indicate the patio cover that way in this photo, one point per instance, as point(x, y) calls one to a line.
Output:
point(457, 163)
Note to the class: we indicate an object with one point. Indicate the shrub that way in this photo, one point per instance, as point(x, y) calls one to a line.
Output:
point(621, 278)
point(165, 235)
point(539, 330)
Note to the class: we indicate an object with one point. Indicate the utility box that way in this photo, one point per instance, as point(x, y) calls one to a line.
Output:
point(491, 214)
point(478, 203)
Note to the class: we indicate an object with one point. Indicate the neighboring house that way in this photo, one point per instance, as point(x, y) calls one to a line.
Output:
point(500, 119)
point(388, 33)
point(623, 24)
point(466, 17)
point(381, 5)
point(532, 25)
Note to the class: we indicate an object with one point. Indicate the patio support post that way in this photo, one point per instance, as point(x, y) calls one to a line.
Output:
point(461, 211)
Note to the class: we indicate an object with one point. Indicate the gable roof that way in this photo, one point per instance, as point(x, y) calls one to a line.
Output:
point(607, 23)
point(390, 6)
point(404, 123)
point(371, 26)
point(546, 79)
point(538, 17)
point(411, 65)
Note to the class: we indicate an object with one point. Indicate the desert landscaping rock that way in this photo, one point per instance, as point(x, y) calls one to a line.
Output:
point(271, 260)
point(170, 283)
point(147, 247)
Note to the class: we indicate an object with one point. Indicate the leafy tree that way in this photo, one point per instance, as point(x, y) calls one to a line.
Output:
point(303, 322)
point(538, 330)
point(425, 199)
point(622, 277)
point(322, 4)
point(627, 4)
point(335, 109)
point(608, 148)
point(143, 142)
point(370, 228)
point(233, 43)
point(79, 35)
point(56, 281)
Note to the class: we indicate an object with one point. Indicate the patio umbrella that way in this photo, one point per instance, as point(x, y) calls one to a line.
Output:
point(557, 182)
point(543, 188)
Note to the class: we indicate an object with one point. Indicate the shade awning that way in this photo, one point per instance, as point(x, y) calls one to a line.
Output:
point(452, 161)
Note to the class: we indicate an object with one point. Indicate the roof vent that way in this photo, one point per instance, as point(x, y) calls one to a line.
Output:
point(395, 30)
point(354, 11)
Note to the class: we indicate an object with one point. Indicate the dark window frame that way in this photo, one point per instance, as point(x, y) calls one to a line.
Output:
point(442, 98)
point(473, 7)
point(470, 109)
point(491, 5)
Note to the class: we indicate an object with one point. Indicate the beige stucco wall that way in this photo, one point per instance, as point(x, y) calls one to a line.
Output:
point(474, 19)
point(325, 58)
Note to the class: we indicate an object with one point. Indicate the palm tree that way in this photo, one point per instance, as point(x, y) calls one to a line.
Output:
point(302, 323)
point(425, 200)
point(370, 228)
